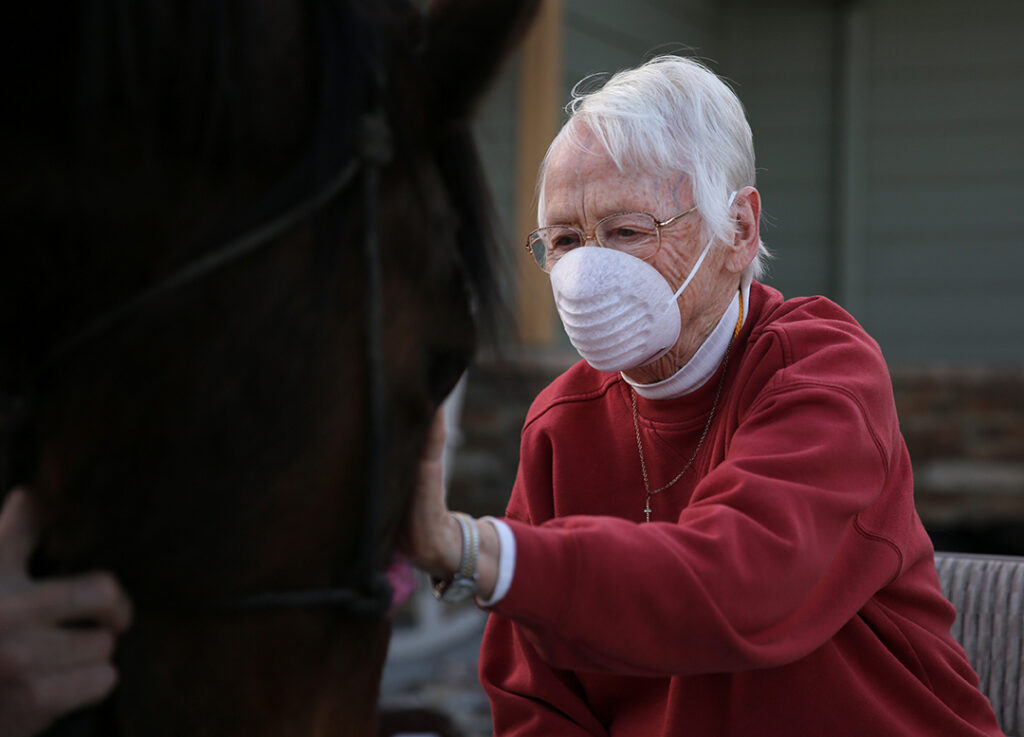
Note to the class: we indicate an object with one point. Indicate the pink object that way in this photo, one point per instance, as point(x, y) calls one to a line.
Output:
point(402, 579)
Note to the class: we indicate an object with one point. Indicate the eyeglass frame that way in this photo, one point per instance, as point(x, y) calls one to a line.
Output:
point(592, 234)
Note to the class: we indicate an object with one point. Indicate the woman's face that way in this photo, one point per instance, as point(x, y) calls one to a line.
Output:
point(582, 187)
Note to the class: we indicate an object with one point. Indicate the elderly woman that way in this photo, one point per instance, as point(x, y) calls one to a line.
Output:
point(712, 531)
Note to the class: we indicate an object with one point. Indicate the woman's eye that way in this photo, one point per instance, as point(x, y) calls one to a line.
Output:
point(628, 235)
point(565, 242)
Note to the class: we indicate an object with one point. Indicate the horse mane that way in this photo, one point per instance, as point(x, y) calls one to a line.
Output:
point(155, 108)
point(145, 83)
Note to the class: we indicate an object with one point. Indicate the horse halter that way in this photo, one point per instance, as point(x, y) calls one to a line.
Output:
point(370, 595)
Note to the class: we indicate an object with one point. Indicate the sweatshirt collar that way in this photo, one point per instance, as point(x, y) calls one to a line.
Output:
point(705, 362)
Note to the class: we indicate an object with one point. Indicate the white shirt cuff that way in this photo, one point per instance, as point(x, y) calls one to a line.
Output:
point(506, 561)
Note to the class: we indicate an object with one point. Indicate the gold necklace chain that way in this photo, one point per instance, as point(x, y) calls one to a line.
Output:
point(704, 433)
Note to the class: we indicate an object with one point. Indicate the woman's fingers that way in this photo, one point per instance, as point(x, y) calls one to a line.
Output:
point(435, 440)
point(427, 531)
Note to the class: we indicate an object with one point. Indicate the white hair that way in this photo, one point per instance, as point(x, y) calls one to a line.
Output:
point(667, 117)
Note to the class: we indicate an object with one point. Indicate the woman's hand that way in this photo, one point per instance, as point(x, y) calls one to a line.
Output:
point(46, 667)
point(432, 538)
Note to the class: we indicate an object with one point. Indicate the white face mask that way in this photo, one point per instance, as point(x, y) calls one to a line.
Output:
point(618, 310)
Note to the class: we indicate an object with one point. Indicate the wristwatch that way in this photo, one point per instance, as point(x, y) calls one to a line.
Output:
point(463, 583)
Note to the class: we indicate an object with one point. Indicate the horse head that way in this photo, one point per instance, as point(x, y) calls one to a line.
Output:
point(244, 248)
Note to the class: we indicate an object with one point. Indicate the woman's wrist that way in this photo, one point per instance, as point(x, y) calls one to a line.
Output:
point(451, 552)
point(447, 556)
point(490, 553)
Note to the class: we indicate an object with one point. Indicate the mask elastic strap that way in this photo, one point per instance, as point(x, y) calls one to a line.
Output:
point(693, 271)
point(704, 253)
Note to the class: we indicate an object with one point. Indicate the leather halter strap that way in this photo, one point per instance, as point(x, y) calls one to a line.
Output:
point(371, 594)
point(367, 592)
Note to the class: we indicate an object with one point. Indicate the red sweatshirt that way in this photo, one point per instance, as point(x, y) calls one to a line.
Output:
point(785, 586)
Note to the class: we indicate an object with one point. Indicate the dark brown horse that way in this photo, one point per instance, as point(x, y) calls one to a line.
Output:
point(243, 243)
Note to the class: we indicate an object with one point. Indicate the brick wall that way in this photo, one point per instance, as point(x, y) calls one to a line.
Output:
point(964, 427)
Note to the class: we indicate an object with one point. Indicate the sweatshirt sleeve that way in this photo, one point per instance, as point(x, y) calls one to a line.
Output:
point(528, 697)
point(768, 560)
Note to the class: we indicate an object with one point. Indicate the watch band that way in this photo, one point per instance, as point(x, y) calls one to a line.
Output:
point(463, 583)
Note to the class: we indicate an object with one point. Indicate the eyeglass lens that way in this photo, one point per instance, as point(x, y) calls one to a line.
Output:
point(635, 233)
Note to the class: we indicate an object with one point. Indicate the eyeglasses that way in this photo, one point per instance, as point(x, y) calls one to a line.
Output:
point(635, 233)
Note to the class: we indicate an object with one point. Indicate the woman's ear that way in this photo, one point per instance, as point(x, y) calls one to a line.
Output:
point(746, 212)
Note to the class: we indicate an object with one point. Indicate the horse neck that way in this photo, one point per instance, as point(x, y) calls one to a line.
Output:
point(269, 674)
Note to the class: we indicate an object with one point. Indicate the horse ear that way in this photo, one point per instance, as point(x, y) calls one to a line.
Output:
point(466, 41)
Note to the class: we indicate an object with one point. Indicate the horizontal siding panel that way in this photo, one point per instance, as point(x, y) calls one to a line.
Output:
point(994, 150)
point(947, 40)
point(932, 14)
point(797, 229)
point(797, 247)
point(960, 327)
point(601, 38)
point(495, 133)
point(799, 267)
point(588, 54)
point(936, 103)
point(943, 164)
point(784, 45)
point(773, 180)
point(645, 19)
point(794, 285)
point(795, 160)
point(793, 209)
point(956, 51)
point(789, 109)
point(781, 61)
point(790, 208)
point(601, 55)
point(797, 254)
point(970, 207)
point(969, 349)
point(915, 268)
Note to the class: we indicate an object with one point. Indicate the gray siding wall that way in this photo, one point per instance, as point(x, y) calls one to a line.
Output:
point(603, 36)
point(779, 64)
point(495, 133)
point(945, 179)
point(890, 150)
point(892, 164)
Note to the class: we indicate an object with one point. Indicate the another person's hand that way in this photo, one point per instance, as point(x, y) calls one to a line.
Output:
point(56, 636)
